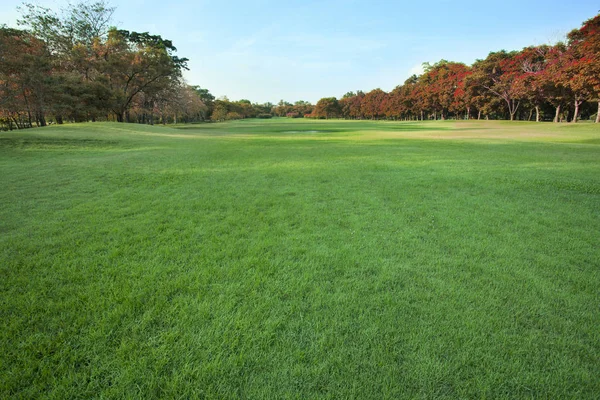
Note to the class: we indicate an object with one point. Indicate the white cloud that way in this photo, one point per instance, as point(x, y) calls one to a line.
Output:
point(416, 70)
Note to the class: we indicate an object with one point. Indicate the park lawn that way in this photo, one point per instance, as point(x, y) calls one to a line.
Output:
point(301, 259)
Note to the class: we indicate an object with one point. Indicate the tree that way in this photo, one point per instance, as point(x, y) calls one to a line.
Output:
point(408, 100)
point(263, 110)
point(283, 108)
point(327, 107)
point(220, 111)
point(350, 105)
point(25, 77)
point(139, 62)
point(531, 83)
point(581, 70)
point(81, 24)
point(443, 79)
point(463, 99)
point(301, 108)
point(372, 105)
point(498, 74)
point(206, 98)
point(554, 92)
point(88, 21)
point(177, 104)
point(113, 65)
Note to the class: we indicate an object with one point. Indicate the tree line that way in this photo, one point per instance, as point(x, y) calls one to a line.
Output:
point(559, 83)
point(75, 66)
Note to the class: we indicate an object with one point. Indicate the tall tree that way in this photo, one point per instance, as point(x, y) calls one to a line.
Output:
point(532, 81)
point(581, 72)
point(80, 24)
point(441, 81)
point(25, 77)
point(206, 98)
point(139, 62)
point(327, 107)
point(350, 105)
point(372, 105)
point(498, 74)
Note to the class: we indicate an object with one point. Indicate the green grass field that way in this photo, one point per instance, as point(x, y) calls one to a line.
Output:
point(301, 259)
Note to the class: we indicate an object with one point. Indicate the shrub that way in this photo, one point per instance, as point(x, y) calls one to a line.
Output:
point(233, 115)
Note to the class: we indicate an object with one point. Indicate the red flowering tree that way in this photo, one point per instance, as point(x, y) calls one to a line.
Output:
point(350, 105)
point(372, 105)
point(581, 70)
point(498, 74)
point(532, 83)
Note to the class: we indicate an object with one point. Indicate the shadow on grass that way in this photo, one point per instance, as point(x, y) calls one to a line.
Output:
point(410, 127)
point(587, 141)
point(315, 127)
point(56, 143)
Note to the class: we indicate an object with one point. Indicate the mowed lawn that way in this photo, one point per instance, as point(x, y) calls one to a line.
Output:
point(301, 259)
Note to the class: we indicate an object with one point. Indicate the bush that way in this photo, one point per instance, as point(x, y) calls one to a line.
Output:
point(232, 115)
point(264, 116)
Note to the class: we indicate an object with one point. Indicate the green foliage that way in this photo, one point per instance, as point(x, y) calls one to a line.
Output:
point(143, 79)
point(300, 259)
point(296, 110)
point(327, 107)
point(78, 68)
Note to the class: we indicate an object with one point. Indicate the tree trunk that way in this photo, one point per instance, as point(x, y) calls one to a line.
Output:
point(530, 114)
point(557, 114)
point(120, 116)
point(598, 114)
point(512, 108)
point(478, 115)
point(28, 109)
point(468, 113)
point(576, 114)
point(537, 113)
point(41, 120)
point(59, 119)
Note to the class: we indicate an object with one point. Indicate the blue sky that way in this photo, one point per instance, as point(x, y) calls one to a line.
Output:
point(266, 50)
